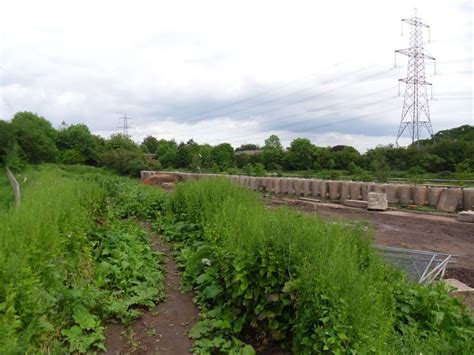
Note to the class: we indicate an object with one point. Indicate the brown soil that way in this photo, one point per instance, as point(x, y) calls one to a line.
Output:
point(440, 233)
point(164, 329)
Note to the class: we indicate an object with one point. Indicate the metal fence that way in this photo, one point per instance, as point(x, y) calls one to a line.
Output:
point(421, 266)
point(15, 187)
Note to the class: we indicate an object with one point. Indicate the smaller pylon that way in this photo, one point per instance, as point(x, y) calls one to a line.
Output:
point(125, 125)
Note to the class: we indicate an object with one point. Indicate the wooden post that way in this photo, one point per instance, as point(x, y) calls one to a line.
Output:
point(15, 187)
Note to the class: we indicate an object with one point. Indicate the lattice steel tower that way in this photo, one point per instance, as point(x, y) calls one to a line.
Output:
point(416, 110)
point(125, 125)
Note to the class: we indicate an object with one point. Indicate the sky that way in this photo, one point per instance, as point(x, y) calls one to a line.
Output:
point(232, 71)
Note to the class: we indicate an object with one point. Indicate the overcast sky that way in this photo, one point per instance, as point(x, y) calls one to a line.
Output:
point(231, 71)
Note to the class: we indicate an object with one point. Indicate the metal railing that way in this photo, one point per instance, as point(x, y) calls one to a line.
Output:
point(15, 187)
point(421, 266)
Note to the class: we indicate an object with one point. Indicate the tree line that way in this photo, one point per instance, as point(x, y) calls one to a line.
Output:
point(31, 139)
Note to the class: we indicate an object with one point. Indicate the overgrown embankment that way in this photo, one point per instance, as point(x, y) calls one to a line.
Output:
point(70, 260)
point(279, 279)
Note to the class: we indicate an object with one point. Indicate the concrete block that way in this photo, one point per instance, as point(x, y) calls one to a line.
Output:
point(355, 190)
point(241, 180)
point(377, 201)
point(247, 182)
point(344, 194)
point(306, 187)
point(323, 190)
point(298, 187)
point(449, 200)
point(392, 193)
point(253, 183)
point(405, 194)
point(468, 195)
point(434, 194)
point(315, 188)
point(276, 186)
point(466, 216)
point(420, 195)
point(266, 185)
point(366, 188)
point(284, 186)
point(356, 203)
point(380, 188)
point(334, 189)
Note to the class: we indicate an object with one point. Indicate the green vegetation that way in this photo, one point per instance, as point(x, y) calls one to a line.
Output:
point(29, 138)
point(71, 259)
point(286, 280)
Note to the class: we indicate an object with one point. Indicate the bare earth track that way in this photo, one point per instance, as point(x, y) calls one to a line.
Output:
point(405, 229)
point(164, 329)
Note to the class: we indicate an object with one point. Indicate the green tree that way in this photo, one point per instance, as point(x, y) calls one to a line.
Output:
point(77, 144)
point(186, 154)
point(223, 155)
point(301, 155)
point(166, 152)
point(7, 140)
point(343, 156)
point(272, 155)
point(150, 144)
point(36, 137)
point(120, 141)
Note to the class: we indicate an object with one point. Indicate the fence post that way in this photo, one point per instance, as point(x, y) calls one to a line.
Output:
point(15, 187)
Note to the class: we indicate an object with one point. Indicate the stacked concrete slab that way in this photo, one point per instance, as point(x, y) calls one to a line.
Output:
point(446, 199)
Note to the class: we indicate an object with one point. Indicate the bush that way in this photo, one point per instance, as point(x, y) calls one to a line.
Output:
point(296, 282)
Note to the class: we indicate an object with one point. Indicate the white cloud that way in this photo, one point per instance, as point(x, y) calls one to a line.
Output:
point(158, 61)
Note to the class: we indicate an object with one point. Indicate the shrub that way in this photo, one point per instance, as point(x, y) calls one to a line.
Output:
point(292, 281)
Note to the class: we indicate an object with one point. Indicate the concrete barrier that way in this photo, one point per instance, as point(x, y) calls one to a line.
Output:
point(391, 191)
point(449, 200)
point(420, 195)
point(468, 195)
point(298, 187)
point(315, 188)
point(355, 190)
point(446, 199)
point(405, 195)
point(379, 188)
point(366, 188)
point(323, 190)
point(344, 194)
point(306, 187)
point(334, 189)
point(433, 195)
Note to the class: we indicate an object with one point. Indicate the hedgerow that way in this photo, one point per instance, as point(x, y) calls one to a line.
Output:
point(281, 279)
point(69, 260)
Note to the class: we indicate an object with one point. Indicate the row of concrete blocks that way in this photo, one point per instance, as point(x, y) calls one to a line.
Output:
point(444, 199)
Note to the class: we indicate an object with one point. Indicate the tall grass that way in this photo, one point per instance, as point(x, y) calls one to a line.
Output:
point(42, 250)
point(69, 260)
point(6, 191)
point(295, 280)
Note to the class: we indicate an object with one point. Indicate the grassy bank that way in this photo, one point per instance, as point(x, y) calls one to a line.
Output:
point(280, 279)
point(69, 261)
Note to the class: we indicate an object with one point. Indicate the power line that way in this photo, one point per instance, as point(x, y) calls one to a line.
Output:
point(318, 109)
point(259, 95)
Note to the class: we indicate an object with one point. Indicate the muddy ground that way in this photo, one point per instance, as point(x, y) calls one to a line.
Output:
point(164, 329)
point(398, 228)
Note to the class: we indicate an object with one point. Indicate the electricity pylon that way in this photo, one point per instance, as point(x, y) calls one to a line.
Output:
point(125, 126)
point(416, 110)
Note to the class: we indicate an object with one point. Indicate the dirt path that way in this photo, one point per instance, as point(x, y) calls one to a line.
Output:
point(407, 230)
point(164, 329)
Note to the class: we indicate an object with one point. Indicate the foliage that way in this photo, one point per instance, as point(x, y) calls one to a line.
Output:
point(35, 136)
point(286, 280)
point(69, 260)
